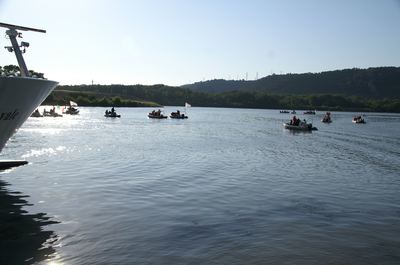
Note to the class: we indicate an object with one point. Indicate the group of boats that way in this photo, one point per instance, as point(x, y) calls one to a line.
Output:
point(302, 125)
point(155, 114)
point(159, 115)
point(70, 110)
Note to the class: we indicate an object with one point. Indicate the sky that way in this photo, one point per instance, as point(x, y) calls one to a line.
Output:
point(176, 42)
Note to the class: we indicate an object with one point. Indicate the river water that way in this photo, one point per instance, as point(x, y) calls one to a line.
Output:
point(226, 186)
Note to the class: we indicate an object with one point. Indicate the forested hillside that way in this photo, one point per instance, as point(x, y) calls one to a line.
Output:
point(379, 82)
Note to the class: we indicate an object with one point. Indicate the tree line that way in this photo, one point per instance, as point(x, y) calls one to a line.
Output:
point(157, 95)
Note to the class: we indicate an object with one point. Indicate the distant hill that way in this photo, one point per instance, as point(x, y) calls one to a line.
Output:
point(219, 85)
point(378, 82)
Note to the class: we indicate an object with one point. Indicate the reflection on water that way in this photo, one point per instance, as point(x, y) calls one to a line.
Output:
point(22, 237)
point(44, 151)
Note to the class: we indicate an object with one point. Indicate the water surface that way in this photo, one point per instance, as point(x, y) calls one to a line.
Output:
point(226, 186)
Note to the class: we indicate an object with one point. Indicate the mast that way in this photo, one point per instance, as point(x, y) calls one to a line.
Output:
point(12, 33)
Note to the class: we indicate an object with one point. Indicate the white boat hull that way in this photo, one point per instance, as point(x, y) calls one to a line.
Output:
point(19, 97)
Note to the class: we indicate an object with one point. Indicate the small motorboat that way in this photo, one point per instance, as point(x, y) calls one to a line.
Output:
point(51, 113)
point(301, 127)
point(182, 116)
point(293, 112)
point(160, 116)
point(358, 119)
point(178, 115)
point(111, 114)
point(327, 118)
point(311, 112)
point(157, 115)
point(71, 111)
point(284, 111)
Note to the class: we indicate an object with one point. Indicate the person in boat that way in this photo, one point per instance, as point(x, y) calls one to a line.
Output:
point(158, 112)
point(36, 113)
point(112, 110)
point(107, 112)
point(295, 121)
point(176, 114)
point(327, 117)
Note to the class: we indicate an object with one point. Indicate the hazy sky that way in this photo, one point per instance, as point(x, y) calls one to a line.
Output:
point(176, 42)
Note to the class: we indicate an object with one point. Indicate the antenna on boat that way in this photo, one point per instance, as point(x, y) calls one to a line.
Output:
point(12, 33)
